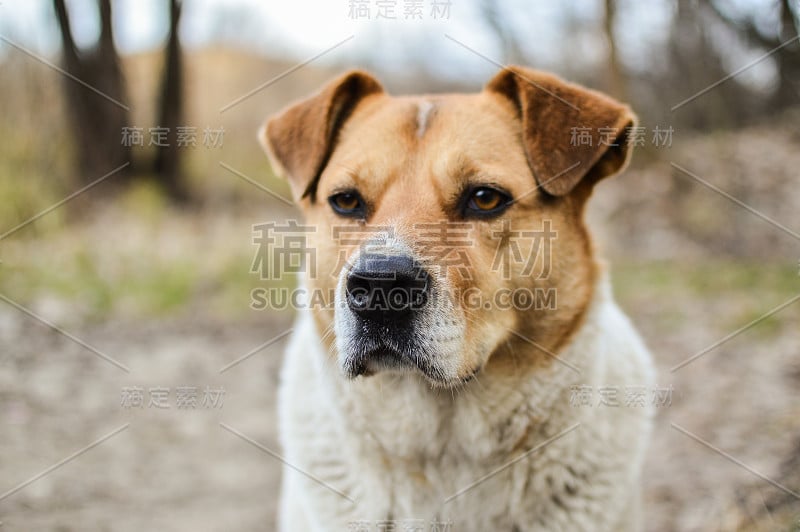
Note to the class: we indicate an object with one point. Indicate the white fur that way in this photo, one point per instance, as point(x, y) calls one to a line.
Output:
point(399, 448)
point(424, 109)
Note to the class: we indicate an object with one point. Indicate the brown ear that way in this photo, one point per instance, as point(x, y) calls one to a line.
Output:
point(300, 139)
point(556, 117)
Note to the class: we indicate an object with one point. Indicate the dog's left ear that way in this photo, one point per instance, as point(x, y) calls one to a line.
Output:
point(569, 133)
point(300, 139)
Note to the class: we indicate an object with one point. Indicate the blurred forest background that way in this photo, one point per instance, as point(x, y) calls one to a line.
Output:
point(142, 246)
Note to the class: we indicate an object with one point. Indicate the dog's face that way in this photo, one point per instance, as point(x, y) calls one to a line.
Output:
point(449, 227)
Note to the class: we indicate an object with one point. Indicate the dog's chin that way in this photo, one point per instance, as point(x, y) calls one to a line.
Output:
point(369, 361)
point(383, 359)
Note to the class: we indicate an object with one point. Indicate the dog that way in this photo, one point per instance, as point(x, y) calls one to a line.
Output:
point(458, 310)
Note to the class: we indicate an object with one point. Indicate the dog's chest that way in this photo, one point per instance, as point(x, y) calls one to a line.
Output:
point(403, 420)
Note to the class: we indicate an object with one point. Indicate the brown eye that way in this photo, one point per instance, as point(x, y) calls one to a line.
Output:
point(486, 201)
point(348, 204)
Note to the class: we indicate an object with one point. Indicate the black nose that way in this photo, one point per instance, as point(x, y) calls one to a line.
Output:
point(386, 287)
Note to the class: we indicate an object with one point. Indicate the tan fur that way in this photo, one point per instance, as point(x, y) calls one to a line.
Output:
point(515, 134)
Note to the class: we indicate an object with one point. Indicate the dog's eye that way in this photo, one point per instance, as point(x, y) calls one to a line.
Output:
point(347, 204)
point(486, 201)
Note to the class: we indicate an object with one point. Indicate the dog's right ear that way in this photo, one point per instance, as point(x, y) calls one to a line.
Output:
point(301, 138)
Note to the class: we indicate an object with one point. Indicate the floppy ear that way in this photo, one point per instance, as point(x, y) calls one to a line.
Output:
point(556, 117)
point(300, 139)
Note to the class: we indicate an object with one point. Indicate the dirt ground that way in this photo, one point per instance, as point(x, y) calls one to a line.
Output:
point(169, 469)
point(180, 469)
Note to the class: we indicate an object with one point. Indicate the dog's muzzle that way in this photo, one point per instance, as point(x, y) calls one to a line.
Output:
point(386, 297)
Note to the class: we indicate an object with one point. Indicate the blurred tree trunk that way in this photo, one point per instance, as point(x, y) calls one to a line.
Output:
point(697, 64)
point(787, 58)
point(490, 11)
point(617, 85)
point(96, 122)
point(167, 163)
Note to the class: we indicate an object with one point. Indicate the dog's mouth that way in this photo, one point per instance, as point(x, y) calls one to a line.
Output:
point(370, 358)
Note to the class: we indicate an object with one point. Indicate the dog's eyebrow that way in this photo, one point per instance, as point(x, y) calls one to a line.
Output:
point(464, 173)
point(351, 173)
point(464, 170)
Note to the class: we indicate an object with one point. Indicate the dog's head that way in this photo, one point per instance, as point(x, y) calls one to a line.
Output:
point(449, 227)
